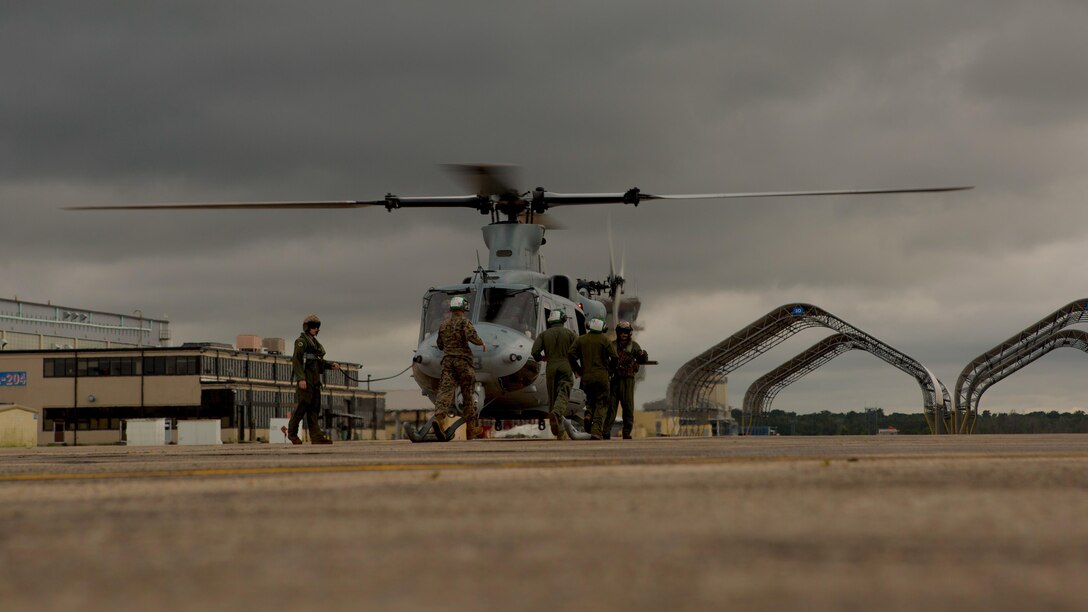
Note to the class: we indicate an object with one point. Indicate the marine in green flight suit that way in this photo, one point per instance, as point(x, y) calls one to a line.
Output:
point(555, 343)
point(309, 363)
point(593, 357)
point(622, 390)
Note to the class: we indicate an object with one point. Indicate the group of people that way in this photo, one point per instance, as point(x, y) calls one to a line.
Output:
point(607, 369)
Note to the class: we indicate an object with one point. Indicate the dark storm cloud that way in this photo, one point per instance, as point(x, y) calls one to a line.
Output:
point(139, 102)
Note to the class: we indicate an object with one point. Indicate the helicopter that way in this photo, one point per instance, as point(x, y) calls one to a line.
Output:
point(511, 297)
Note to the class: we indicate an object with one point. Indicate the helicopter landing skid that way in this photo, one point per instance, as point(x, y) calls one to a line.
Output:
point(430, 433)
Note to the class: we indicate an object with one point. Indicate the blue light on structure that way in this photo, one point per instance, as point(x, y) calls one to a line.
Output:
point(797, 310)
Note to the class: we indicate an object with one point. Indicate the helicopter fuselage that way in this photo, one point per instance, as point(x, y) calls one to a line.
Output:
point(509, 305)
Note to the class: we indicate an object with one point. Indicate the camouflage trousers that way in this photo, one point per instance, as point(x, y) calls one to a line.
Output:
point(457, 373)
point(560, 382)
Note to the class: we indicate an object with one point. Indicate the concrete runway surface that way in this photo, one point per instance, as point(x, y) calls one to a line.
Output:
point(758, 523)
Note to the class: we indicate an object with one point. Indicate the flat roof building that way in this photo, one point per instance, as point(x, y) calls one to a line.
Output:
point(83, 396)
point(34, 326)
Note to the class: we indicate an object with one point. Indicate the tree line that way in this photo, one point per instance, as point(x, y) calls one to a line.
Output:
point(853, 423)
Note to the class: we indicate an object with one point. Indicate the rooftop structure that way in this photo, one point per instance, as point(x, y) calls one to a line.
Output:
point(34, 326)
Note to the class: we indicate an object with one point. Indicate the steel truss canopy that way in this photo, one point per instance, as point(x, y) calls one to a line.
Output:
point(1013, 354)
point(691, 387)
point(761, 393)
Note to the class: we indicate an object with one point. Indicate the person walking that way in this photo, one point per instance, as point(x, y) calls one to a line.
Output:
point(593, 358)
point(555, 343)
point(454, 336)
point(622, 389)
point(309, 364)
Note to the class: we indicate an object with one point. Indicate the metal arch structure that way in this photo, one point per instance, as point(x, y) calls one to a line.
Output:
point(690, 389)
point(1069, 338)
point(1011, 349)
point(762, 392)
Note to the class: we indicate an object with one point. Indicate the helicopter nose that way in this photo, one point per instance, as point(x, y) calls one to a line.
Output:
point(507, 350)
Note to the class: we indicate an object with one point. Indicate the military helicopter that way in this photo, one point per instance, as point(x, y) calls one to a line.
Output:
point(512, 296)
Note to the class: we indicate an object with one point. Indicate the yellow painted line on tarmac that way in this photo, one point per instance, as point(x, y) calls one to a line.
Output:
point(641, 462)
point(302, 469)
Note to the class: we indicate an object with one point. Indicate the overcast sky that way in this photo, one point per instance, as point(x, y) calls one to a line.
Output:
point(134, 102)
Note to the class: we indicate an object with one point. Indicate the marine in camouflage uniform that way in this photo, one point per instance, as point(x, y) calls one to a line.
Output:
point(454, 336)
point(555, 343)
point(622, 390)
point(593, 357)
point(309, 363)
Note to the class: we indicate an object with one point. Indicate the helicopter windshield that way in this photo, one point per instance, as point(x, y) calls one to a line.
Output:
point(436, 308)
point(513, 308)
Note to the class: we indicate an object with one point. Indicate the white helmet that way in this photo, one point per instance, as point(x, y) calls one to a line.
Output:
point(596, 325)
point(458, 303)
point(556, 316)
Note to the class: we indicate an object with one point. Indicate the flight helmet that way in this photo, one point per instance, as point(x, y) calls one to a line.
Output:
point(556, 317)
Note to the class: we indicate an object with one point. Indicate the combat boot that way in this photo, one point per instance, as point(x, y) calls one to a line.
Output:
point(292, 438)
point(473, 431)
point(553, 422)
point(447, 425)
point(321, 440)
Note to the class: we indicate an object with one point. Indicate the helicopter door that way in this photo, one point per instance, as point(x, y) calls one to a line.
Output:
point(581, 316)
point(561, 285)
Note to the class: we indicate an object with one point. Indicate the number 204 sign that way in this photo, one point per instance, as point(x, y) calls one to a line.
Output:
point(12, 379)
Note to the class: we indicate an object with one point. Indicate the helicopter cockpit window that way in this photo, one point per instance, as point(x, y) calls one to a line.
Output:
point(436, 308)
point(513, 308)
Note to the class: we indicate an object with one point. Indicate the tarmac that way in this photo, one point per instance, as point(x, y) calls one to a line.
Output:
point(750, 523)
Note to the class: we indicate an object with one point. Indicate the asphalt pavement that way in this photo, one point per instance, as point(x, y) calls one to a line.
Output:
point(756, 523)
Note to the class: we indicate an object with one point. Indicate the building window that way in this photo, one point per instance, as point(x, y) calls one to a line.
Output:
point(171, 366)
point(68, 367)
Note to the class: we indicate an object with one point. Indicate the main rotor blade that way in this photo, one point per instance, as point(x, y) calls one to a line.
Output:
point(634, 196)
point(234, 205)
point(483, 203)
point(391, 201)
point(611, 256)
point(788, 194)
